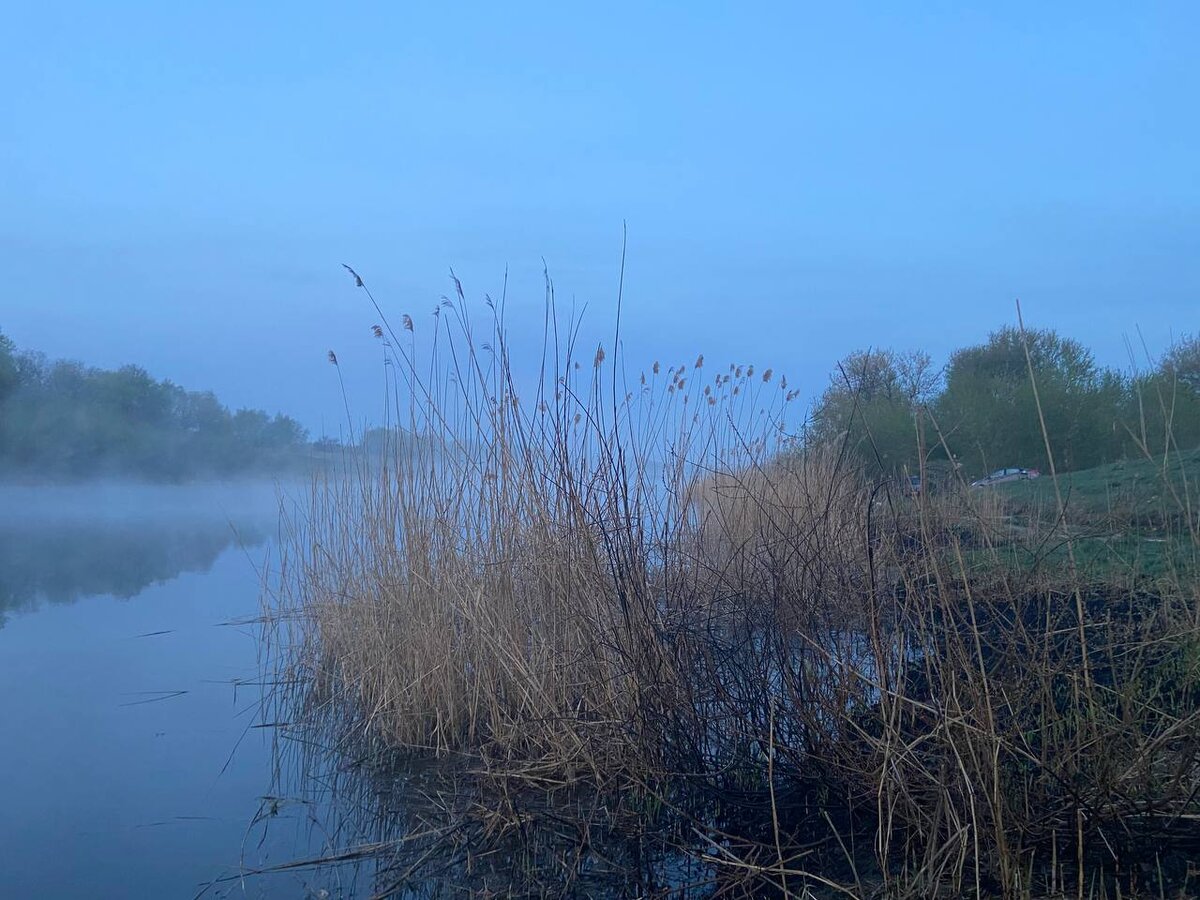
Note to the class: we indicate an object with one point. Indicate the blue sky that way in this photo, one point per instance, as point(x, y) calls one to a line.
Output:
point(183, 181)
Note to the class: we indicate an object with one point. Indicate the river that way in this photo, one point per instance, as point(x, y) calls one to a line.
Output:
point(129, 764)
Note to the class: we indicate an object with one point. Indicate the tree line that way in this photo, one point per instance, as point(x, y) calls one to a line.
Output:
point(61, 419)
point(999, 403)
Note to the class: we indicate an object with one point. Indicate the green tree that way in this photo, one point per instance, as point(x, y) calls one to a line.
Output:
point(989, 415)
point(1182, 362)
point(68, 420)
point(873, 405)
point(1163, 409)
point(9, 374)
point(9, 381)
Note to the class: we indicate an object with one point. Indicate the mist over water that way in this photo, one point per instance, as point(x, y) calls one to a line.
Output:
point(115, 501)
point(128, 688)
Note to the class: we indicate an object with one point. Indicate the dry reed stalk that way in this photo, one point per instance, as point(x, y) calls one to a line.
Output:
point(640, 592)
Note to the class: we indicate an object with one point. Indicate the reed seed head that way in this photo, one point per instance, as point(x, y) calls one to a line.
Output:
point(358, 282)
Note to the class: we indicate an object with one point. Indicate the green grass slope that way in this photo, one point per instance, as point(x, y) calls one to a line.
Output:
point(1140, 516)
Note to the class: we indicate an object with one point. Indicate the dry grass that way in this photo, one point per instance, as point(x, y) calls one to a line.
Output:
point(647, 591)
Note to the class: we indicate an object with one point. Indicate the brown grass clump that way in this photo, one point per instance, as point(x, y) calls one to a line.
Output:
point(801, 680)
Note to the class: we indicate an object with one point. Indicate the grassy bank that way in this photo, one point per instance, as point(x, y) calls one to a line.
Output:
point(628, 607)
point(1131, 520)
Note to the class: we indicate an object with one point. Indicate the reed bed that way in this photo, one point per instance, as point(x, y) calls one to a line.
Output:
point(648, 591)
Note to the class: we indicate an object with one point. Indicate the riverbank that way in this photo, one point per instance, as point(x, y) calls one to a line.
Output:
point(648, 613)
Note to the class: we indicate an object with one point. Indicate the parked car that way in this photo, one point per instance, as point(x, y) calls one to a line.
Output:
point(1000, 476)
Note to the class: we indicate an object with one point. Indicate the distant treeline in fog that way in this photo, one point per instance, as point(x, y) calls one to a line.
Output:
point(64, 420)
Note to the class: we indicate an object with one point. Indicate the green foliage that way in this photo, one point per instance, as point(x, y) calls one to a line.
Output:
point(8, 367)
point(1182, 362)
point(65, 420)
point(990, 412)
point(874, 406)
point(1164, 405)
point(890, 408)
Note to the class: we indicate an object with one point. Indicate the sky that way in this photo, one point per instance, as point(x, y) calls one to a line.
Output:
point(180, 183)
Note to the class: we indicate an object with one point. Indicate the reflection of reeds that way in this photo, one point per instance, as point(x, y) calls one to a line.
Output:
point(804, 680)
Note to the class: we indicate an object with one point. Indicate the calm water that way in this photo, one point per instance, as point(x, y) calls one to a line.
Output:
point(128, 764)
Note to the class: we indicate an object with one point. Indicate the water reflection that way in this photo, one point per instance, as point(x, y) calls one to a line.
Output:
point(382, 825)
point(62, 562)
point(61, 544)
point(128, 760)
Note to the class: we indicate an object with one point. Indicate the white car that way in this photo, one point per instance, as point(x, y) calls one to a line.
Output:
point(1000, 476)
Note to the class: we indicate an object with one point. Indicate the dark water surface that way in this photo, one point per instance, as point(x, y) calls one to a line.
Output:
point(128, 767)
